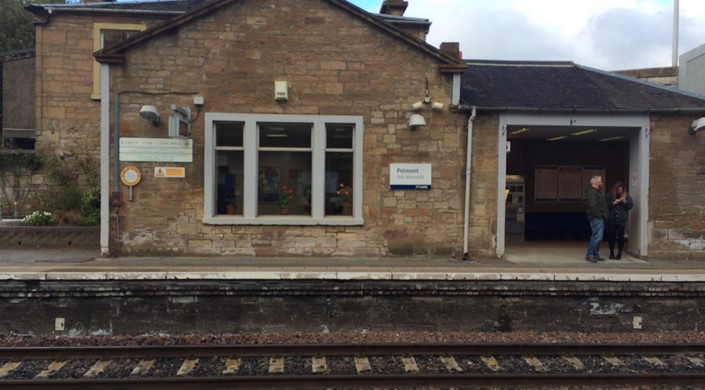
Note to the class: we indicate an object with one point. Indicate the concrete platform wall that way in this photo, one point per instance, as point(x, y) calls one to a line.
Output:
point(21, 237)
point(180, 308)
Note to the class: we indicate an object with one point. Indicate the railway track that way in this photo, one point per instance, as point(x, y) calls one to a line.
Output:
point(367, 365)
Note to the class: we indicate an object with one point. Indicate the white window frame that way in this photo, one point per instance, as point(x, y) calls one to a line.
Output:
point(250, 164)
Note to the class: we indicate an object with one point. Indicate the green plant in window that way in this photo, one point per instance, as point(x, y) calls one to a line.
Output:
point(285, 196)
point(305, 183)
point(341, 196)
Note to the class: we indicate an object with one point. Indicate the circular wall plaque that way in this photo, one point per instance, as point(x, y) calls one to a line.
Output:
point(130, 176)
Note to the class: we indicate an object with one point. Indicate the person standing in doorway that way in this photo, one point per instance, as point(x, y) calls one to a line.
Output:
point(618, 203)
point(596, 214)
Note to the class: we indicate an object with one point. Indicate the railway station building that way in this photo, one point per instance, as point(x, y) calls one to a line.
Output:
point(314, 128)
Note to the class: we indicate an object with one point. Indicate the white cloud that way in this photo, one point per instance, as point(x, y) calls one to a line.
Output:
point(606, 34)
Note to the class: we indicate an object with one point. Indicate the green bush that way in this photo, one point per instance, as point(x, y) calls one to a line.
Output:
point(39, 218)
point(66, 198)
point(90, 206)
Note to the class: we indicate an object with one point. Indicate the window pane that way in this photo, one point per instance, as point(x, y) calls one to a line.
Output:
point(279, 135)
point(284, 183)
point(338, 184)
point(230, 182)
point(229, 133)
point(112, 37)
point(339, 136)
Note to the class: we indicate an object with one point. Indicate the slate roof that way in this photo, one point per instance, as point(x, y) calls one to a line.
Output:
point(565, 86)
point(163, 6)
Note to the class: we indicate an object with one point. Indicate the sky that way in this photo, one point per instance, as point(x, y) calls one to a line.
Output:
point(603, 34)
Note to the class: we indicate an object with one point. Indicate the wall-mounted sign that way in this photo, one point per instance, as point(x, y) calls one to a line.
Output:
point(130, 176)
point(156, 149)
point(410, 176)
point(169, 172)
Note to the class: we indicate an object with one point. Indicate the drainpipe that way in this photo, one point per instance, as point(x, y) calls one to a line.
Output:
point(468, 177)
point(104, 158)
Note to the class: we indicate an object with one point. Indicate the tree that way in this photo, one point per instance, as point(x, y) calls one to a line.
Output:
point(16, 24)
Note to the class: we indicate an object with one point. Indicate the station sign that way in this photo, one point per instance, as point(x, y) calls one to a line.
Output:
point(410, 176)
point(156, 149)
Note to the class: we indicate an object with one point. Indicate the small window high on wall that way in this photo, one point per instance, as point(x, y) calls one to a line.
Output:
point(106, 35)
point(283, 169)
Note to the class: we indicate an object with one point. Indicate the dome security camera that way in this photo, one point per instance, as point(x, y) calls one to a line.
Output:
point(416, 121)
point(697, 125)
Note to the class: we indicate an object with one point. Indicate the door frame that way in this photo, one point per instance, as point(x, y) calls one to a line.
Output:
point(637, 125)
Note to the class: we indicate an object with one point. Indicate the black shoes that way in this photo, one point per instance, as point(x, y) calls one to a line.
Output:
point(611, 256)
point(618, 257)
point(594, 259)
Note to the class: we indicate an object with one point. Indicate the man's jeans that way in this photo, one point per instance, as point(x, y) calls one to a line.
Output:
point(598, 228)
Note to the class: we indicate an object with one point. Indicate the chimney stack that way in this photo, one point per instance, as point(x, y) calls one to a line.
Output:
point(394, 7)
point(451, 49)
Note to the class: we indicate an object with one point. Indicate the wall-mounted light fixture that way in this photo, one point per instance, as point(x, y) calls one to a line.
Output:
point(150, 113)
point(583, 132)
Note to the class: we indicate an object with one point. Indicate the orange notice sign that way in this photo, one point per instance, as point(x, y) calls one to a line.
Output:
point(170, 172)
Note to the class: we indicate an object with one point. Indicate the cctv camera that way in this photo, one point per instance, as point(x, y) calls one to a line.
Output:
point(416, 121)
point(150, 113)
point(697, 125)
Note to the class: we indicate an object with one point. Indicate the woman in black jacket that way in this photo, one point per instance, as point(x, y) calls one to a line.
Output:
point(618, 204)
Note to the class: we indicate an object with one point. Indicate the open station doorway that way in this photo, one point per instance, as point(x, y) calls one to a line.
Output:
point(545, 166)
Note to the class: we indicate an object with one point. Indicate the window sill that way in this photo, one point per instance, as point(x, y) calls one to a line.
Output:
point(283, 220)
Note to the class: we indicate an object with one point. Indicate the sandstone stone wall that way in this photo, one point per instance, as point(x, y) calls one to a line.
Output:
point(335, 64)
point(483, 189)
point(667, 76)
point(67, 118)
point(677, 190)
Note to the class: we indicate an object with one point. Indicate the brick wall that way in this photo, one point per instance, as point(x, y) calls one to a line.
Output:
point(336, 65)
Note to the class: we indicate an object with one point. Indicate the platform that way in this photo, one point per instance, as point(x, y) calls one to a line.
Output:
point(547, 287)
point(536, 261)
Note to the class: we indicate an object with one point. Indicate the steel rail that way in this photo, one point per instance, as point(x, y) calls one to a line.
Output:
point(359, 381)
point(343, 349)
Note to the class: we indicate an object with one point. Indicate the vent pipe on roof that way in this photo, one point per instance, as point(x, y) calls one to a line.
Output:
point(394, 7)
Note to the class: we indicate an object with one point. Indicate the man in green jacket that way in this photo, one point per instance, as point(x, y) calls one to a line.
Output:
point(596, 214)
